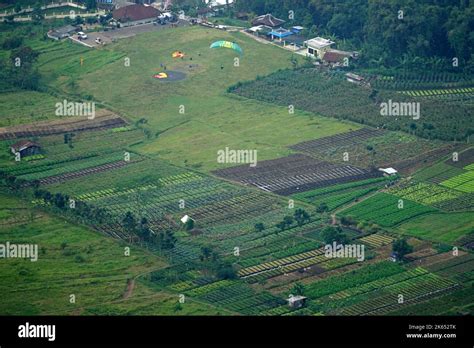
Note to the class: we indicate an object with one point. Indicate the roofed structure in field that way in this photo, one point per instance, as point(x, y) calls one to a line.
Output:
point(268, 20)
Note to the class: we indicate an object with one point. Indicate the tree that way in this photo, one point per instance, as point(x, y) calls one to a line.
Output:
point(281, 225)
point(91, 20)
point(259, 227)
point(348, 220)
point(297, 289)
point(90, 4)
point(332, 234)
point(401, 248)
point(37, 14)
point(129, 222)
point(225, 270)
point(288, 220)
point(206, 252)
point(167, 240)
point(11, 43)
point(322, 208)
point(301, 216)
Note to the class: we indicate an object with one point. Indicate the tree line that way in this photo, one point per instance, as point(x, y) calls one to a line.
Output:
point(388, 33)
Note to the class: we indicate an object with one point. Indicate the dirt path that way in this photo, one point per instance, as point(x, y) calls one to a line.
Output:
point(130, 287)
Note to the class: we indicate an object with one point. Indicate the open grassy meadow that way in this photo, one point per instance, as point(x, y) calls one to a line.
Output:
point(210, 119)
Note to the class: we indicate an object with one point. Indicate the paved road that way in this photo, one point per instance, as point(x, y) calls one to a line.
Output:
point(111, 35)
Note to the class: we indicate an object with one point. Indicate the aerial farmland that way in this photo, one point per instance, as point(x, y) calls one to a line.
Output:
point(193, 164)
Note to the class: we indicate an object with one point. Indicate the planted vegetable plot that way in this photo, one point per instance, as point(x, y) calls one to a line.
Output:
point(338, 195)
point(332, 142)
point(372, 148)
point(430, 93)
point(386, 210)
point(376, 240)
point(426, 194)
point(463, 182)
point(295, 173)
point(438, 172)
point(414, 290)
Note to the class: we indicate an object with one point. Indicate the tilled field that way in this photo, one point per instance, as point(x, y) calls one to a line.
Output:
point(104, 119)
point(83, 172)
point(343, 139)
point(294, 173)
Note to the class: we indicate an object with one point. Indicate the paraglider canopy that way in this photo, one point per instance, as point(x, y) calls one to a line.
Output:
point(227, 44)
point(161, 75)
point(177, 54)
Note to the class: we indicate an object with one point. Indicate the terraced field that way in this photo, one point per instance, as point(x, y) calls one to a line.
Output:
point(253, 233)
point(462, 182)
point(338, 195)
point(295, 173)
point(426, 194)
point(386, 210)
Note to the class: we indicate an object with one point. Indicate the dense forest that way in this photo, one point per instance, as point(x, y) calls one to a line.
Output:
point(403, 33)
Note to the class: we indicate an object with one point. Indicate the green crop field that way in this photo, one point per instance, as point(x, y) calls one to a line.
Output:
point(229, 245)
point(449, 227)
point(387, 210)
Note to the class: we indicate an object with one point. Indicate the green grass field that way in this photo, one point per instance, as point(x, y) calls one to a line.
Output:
point(212, 119)
point(26, 107)
point(444, 228)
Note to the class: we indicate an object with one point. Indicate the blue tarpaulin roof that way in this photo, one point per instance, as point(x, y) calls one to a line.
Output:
point(280, 33)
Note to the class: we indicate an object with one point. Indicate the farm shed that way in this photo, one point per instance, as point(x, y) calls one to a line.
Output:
point(25, 148)
point(388, 171)
point(351, 77)
point(216, 3)
point(318, 46)
point(280, 33)
point(135, 14)
point(334, 58)
point(296, 301)
point(268, 20)
point(185, 219)
point(297, 29)
point(62, 32)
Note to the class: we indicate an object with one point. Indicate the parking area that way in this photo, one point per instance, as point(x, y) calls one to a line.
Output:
point(121, 33)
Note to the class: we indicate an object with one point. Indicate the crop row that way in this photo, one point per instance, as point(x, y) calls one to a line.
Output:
point(436, 92)
point(376, 240)
point(386, 210)
point(411, 289)
point(463, 182)
point(425, 193)
point(379, 283)
point(314, 255)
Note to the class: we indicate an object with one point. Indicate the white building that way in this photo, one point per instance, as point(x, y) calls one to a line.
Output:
point(318, 46)
point(388, 171)
point(296, 301)
point(213, 3)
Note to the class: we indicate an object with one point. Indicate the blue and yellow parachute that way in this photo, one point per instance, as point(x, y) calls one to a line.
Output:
point(227, 44)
